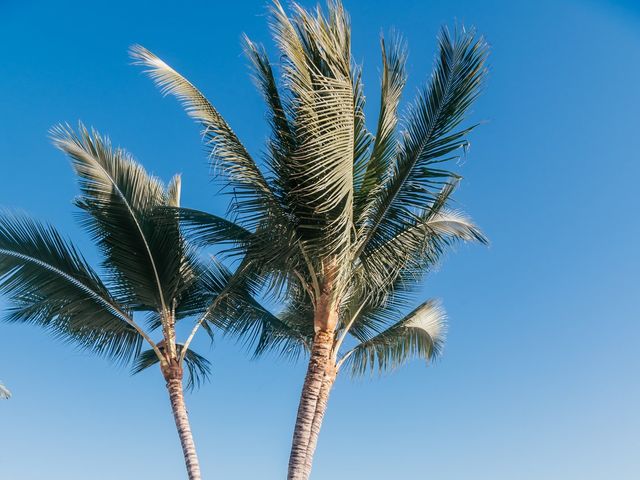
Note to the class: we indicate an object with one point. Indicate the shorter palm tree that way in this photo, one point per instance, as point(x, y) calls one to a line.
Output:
point(151, 279)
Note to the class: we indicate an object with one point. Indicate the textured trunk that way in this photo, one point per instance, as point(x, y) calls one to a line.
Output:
point(321, 408)
point(320, 359)
point(173, 375)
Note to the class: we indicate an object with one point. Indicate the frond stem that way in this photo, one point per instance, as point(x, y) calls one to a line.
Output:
point(115, 309)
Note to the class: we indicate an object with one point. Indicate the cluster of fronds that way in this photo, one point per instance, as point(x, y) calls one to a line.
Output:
point(370, 208)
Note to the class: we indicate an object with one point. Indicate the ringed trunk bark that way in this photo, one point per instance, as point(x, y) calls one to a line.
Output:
point(173, 375)
point(321, 408)
point(320, 359)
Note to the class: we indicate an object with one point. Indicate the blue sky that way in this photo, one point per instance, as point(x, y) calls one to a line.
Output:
point(539, 376)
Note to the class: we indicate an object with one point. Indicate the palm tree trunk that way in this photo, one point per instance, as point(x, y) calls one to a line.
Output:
point(311, 390)
point(176, 396)
point(321, 408)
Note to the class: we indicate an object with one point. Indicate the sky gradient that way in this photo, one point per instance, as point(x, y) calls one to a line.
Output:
point(539, 379)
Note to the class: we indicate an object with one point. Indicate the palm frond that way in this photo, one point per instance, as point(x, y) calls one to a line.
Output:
point(283, 138)
point(401, 260)
point(198, 367)
point(419, 247)
point(144, 254)
point(385, 145)
point(49, 283)
point(206, 229)
point(362, 139)
point(431, 136)
point(283, 142)
point(289, 333)
point(243, 316)
point(317, 72)
point(4, 392)
point(419, 335)
point(253, 197)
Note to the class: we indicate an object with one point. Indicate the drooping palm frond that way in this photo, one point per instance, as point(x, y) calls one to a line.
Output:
point(419, 335)
point(386, 281)
point(392, 267)
point(49, 283)
point(253, 198)
point(4, 392)
point(198, 367)
point(206, 229)
point(144, 254)
point(254, 324)
point(208, 281)
point(431, 136)
point(418, 248)
point(290, 333)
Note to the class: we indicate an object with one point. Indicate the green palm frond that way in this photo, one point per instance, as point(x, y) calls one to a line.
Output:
point(283, 142)
point(290, 333)
point(49, 283)
point(205, 228)
point(144, 254)
point(362, 140)
point(243, 316)
point(317, 71)
point(414, 250)
point(418, 247)
point(198, 367)
point(278, 110)
point(419, 335)
point(208, 282)
point(253, 197)
point(4, 392)
point(385, 145)
point(387, 278)
point(431, 136)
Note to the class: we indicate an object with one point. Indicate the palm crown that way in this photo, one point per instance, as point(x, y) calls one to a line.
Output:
point(148, 266)
point(340, 220)
point(152, 277)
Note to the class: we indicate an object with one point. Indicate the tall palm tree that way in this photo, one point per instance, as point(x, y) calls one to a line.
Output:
point(341, 222)
point(151, 277)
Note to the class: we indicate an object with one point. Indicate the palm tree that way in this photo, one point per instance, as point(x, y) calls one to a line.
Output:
point(152, 277)
point(341, 222)
point(4, 392)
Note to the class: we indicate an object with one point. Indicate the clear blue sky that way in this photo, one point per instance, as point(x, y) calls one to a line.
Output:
point(540, 375)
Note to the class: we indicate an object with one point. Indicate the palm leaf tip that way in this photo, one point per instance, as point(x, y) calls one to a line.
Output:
point(420, 334)
point(174, 190)
point(431, 318)
point(4, 392)
point(456, 224)
point(155, 66)
point(170, 82)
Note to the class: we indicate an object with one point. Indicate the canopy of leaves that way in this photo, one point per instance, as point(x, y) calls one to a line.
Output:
point(148, 265)
point(368, 213)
